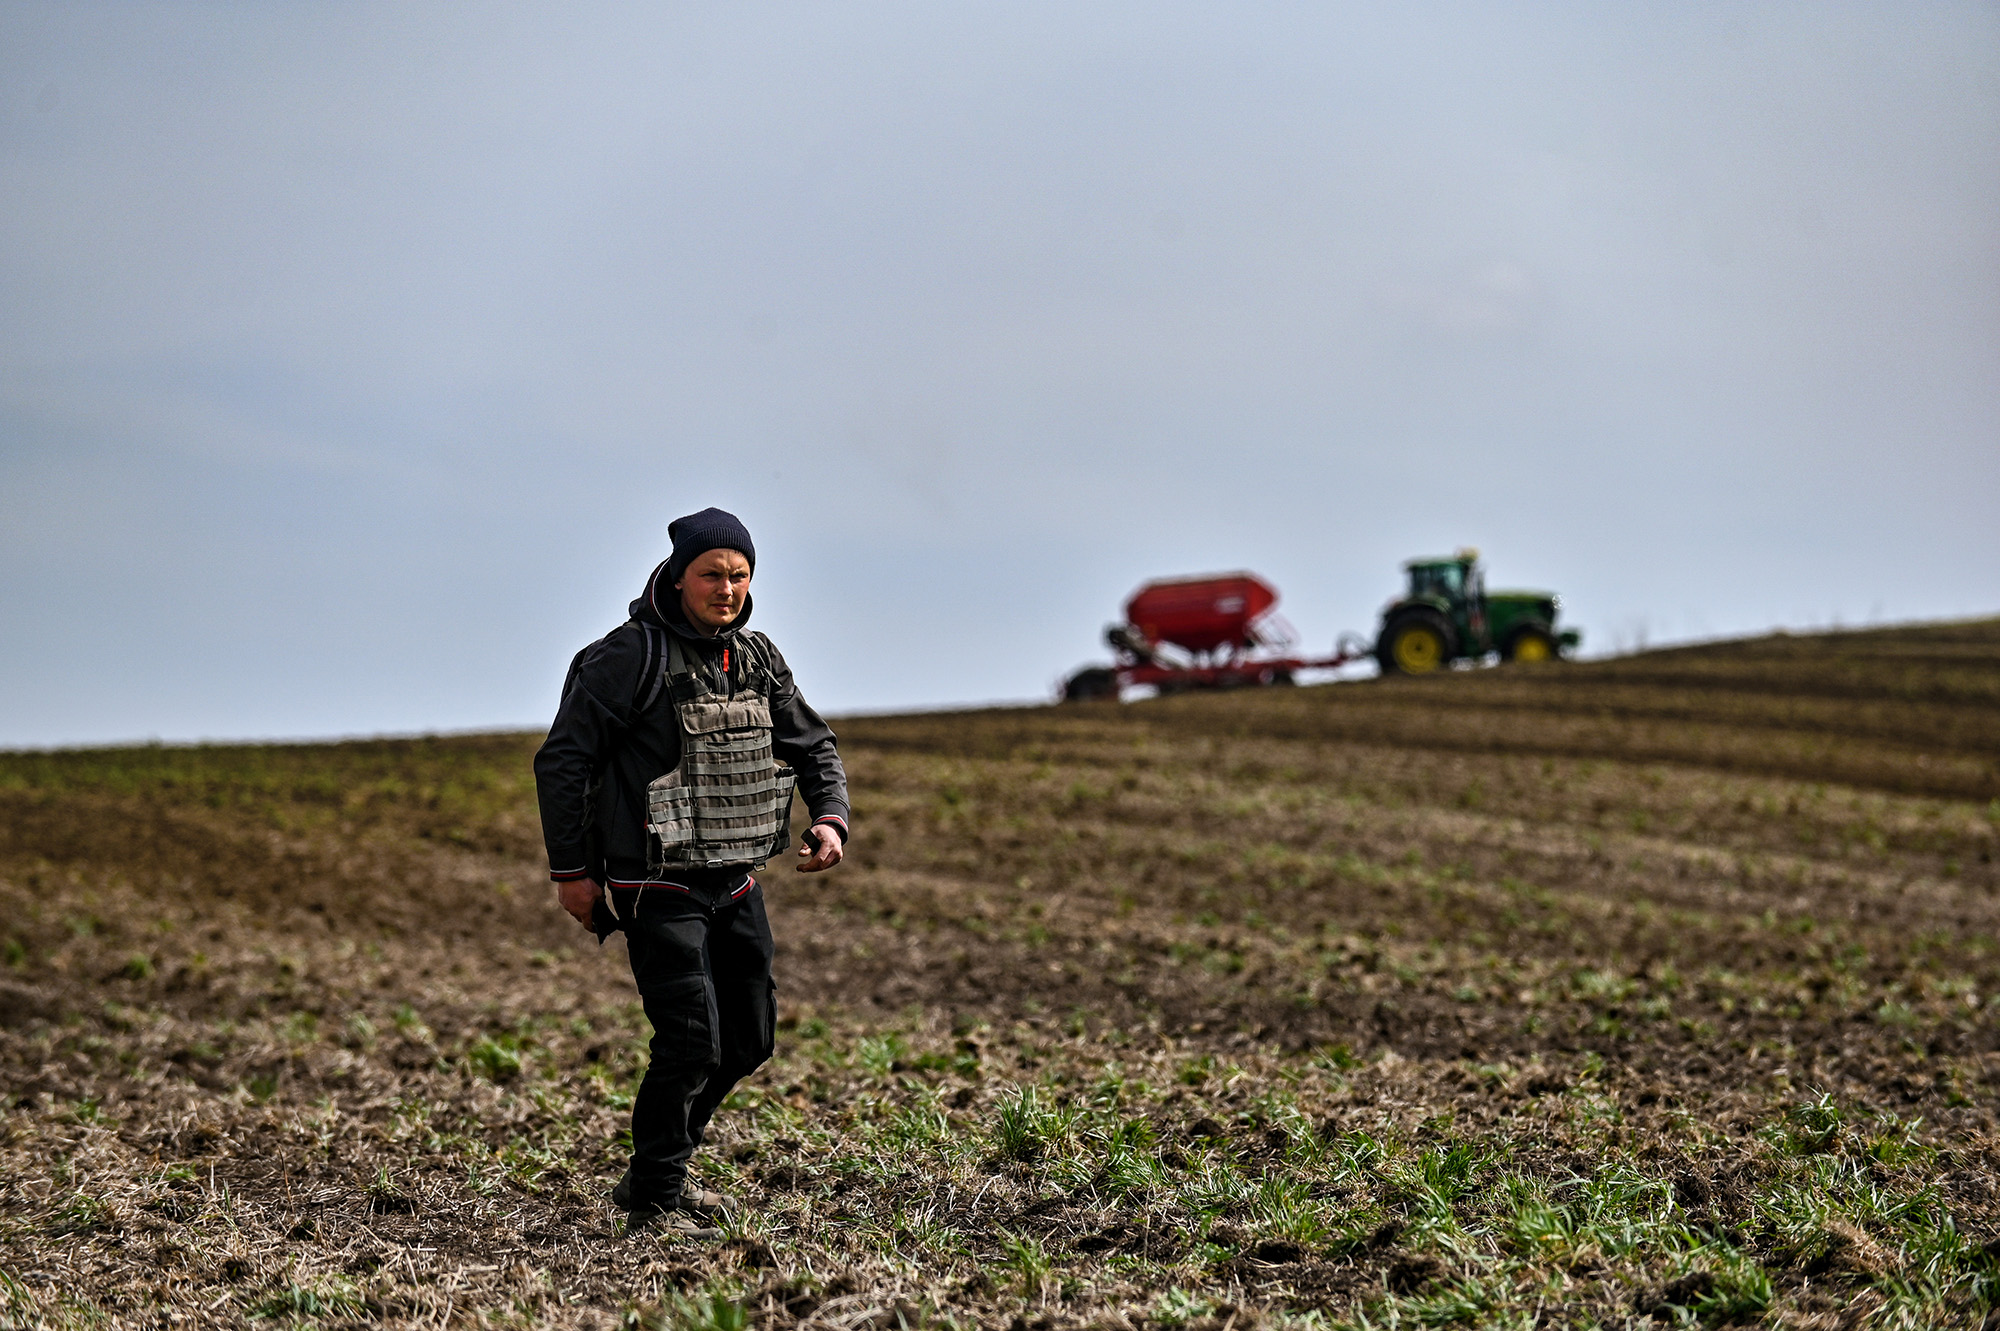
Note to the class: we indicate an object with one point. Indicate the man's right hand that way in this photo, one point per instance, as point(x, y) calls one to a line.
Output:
point(577, 896)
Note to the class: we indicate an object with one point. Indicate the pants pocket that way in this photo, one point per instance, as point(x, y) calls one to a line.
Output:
point(685, 1038)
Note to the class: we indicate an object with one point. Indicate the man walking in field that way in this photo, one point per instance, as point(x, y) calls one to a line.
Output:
point(659, 795)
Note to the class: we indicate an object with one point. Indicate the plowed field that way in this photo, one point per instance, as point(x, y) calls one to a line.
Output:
point(1642, 992)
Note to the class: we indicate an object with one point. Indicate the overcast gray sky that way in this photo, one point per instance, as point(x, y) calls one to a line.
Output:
point(354, 357)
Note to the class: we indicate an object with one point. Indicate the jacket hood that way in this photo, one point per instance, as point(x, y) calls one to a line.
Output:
point(660, 604)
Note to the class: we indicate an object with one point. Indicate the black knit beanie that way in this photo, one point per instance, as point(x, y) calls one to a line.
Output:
point(698, 533)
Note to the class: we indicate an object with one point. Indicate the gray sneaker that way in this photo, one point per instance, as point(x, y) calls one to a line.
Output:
point(669, 1222)
point(705, 1207)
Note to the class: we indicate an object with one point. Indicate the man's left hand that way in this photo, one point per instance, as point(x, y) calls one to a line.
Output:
point(825, 853)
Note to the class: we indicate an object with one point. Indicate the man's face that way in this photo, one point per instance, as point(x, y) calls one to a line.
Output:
point(714, 588)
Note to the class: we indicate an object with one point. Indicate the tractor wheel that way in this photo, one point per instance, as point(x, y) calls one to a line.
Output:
point(1530, 645)
point(1089, 684)
point(1418, 642)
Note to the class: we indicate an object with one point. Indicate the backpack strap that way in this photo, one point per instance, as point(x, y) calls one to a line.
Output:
point(756, 662)
point(650, 679)
point(681, 680)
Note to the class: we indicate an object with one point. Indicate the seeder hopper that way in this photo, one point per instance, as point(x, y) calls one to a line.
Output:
point(1217, 632)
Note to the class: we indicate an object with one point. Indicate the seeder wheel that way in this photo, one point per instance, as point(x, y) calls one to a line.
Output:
point(1090, 684)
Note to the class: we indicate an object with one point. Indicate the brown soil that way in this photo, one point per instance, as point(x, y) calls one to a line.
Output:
point(297, 1032)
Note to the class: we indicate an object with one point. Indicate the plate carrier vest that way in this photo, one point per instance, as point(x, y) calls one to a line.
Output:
point(729, 802)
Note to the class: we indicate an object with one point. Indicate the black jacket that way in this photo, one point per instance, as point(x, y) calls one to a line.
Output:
point(603, 729)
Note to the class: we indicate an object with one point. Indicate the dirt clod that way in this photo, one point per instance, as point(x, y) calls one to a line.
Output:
point(1411, 1273)
point(1277, 1252)
point(1681, 1292)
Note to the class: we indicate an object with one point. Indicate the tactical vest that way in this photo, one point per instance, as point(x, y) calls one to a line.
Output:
point(729, 802)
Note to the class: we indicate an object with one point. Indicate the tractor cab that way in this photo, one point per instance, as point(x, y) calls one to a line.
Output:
point(1448, 615)
point(1442, 579)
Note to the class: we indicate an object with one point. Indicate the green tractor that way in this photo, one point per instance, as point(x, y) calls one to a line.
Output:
point(1448, 615)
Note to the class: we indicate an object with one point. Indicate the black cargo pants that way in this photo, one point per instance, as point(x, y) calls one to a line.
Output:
point(702, 961)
